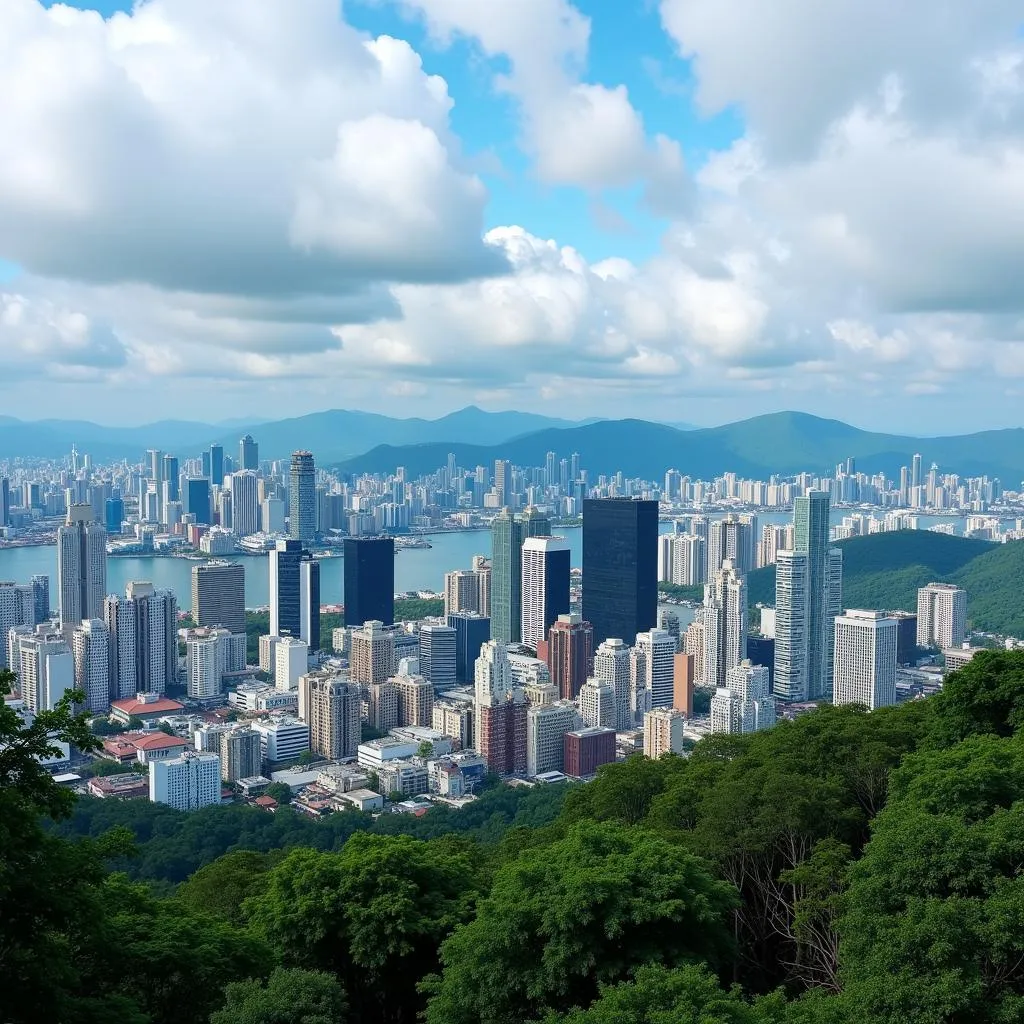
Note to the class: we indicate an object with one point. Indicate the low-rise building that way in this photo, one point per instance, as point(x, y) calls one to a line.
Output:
point(405, 777)
point(282, 739)
point(144, 706)
point(376, 752)
point(363, 800)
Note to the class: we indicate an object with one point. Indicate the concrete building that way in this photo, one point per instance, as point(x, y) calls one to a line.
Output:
point(745, 703)
point(597, 705)
point(210, 655)
point(334, 709)
point(941, 616)
point(90, 646)
point(724, 617)
point(545, 587)
point(282, 740)
point(218, 595)
point(455, 720)
point(185, 783)
point(508, 534)
point(245, 504)
point(657, 648)
point(499, 712)
point(143, 629)
point(240, 754)
point(468, 590)
point(569, 652)
point(957, 657)
point(17, 608)
point(47, 669)
point(612, 666)
point(373, 653)
point(268, 655)
point(81, 568)
point(472, 631)
point(865, 659)
point(683, 683)
point(546, 726)
point(663, 732)
point(438, 655)
point(415, 700)
point(291, 661)
point(382, 705)
point(302, 497)
point(586, 750)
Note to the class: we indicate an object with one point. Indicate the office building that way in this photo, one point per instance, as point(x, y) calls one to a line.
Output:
point(373, 653)
point(47, 669)
point(5, 502)
point(468, 590)
point(546, 726)
point(663, 732)
point(40, 585)
point(216, 467)
point(113, 515)
point(499, 712)
point(211, 654)
point(294, 583)
point(415, 700)
point(185, 783)
point(334, 709)
point(198, 500)
point(586, 750)
point(438, 655)
point(597, 704)
point(90, 647)
point(724, 617)
point(282, 740)
point(81, 568)
point(291, 661)
point(245, 503)
point(733, 539)
point(218, 595)
point(17, 608)
point(248, 453)
point(941, 616)
point(745, 703)
point(612, 665)
point(570, 654)
point(655, 650)
point(240, 756)
point(472, 631)
point(620, 566)
point(369, 580)
point(545, 587)
point(808, 596)
point(508, 533)
point(302, 498)
point(865, 659)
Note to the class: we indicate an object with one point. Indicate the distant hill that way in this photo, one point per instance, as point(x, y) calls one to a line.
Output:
point(885, 570)
point(783, 443)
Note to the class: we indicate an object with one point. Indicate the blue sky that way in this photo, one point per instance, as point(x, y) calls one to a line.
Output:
point(687, 209)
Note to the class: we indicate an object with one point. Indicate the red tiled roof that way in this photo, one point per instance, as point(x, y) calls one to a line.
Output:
point(131, 706)
point(158, 741)
point(265, 801)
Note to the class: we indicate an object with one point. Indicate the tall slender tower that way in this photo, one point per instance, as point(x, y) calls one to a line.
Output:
point(295, 593)
point(302, 497)
point(248, 453)
point(725, 623)
point(81, 568)
point(545, 586)
point(508, 532)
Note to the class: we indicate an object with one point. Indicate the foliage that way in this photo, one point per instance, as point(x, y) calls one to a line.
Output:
point(563, 919)
point(411, 608)
point(702, 700)
point(992, 581)
point(101, 767)
point(289, 996)
point(680, 592)
point(103, 726)
point(985, 696)
point(280, 791)
point(220, 888)
point(373, 914)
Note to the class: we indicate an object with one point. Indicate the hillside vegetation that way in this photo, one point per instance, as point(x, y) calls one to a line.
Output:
point(885, 570)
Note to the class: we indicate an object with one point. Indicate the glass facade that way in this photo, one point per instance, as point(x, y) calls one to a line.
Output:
point(369, 580)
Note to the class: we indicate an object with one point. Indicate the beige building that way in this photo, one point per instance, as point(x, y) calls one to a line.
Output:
point(334, 709)
point(372, 657)
point(415, 700)
point(383, 705)
point(663, 732)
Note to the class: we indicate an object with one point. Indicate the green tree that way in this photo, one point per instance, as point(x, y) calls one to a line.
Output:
point(220, 888)
point(425, 749)
point(280, 791)
point(289, 996)
point(985, 696)
point(373, 914)
point(682, 995)
point(101, 767)
point(564, 919)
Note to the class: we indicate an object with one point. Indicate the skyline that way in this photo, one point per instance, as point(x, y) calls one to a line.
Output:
point(627, 217)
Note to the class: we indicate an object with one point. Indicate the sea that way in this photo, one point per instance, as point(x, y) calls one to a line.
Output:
point(416, 569)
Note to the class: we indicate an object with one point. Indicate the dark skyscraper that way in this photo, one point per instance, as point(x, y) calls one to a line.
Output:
point(197, 499)
point(41, 597)
point(472, 631)
point(295, 593)
point(218, 595)
point(5, 502)
point(170, 477)
point(620, 567)
point(114, 515)
point(302, 499)
point(248, 453)
point(369, 580)
point(217, 465)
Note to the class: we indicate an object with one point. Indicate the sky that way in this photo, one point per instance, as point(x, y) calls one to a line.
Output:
point(684, 210)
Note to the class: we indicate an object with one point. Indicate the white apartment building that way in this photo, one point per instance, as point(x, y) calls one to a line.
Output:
point(658, 649)
point(597, 704)
point(291, 661)
point(90, 646)
point(546, 726)
point(17, 608)
point(941, 615)
point(865, 659)
point(185, 783)
point(612, 667)
point(724, 619)
point(745, 703)
point(47, 670)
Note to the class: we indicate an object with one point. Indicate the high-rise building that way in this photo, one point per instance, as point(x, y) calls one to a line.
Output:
point(570, 654)
point(113, 515)
point(294, 593)
point(733, 538)
point(248, 453)
point(217, 465)
point(545, 586)
point(808, 596)
point(612, 666)
point(5, 502)
point(658, 648)
point(90, 646)
point(620, 566)
point(185, 783)
point(302, 497)
point(725, 623)
point(683, 683)
point(218, 595)
point(143, 631)
point(546, 726)
point(17, 608)
point(373, 653)
point(472, 631)
point(941, 616)
point(499, 712)
point(291, 662)
point(865, 659)
point(198, 501)
point(47, 669)
point(169, 478)
point(468, 590)
point(382, 705)
point(745, 703)
point(681, 559)
point(81, 568)
point(503, 481)
point(586, 750)
point(369, 580)
point(210, 654)
point(333, 706)
point(508, 532)
point(240, 756)
point(415, 700)
point(663, 732)
point(245, 503)
point(597, 704)
point(40, 585)
point(439, 655)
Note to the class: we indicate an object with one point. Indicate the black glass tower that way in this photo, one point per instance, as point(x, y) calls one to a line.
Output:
point(295, 593)
point(620, 567)
point(369, 580)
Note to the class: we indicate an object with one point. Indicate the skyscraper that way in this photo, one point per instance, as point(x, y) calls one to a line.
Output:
point(239, 754)
point(438, 655)
point(294, 593)
point(503, 481)
point(217, 465)
point(90, 647)
point(218, 595)
point(732, 538)
point(545, 586)
point(570, 654)
point(197, 499)
point(81, 568)
point(658, 649)
point(5, 502)
point(373, 653)
point(724, 617)
point(333, 707)
point(508, 532)
point(499, 712)
point(302, 497)
point(113, 515)
point(248, 453)
point(744, 704)
point(808, 596)
point(941, 616)
point(46, 669)
point(169, 478)
point(17, 608)
point(472, 631)
point(620, 566)
point(369, 580)
point(41, 597)
point(143, 631)
point(865, 659)
point(612, 666)
point(245, 503)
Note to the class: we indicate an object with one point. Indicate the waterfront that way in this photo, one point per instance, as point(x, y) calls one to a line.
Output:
point(415, 568)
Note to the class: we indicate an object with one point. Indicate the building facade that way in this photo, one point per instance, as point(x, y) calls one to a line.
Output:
point(865, 658)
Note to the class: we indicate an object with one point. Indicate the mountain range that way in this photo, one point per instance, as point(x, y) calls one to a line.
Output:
point(781, 443)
